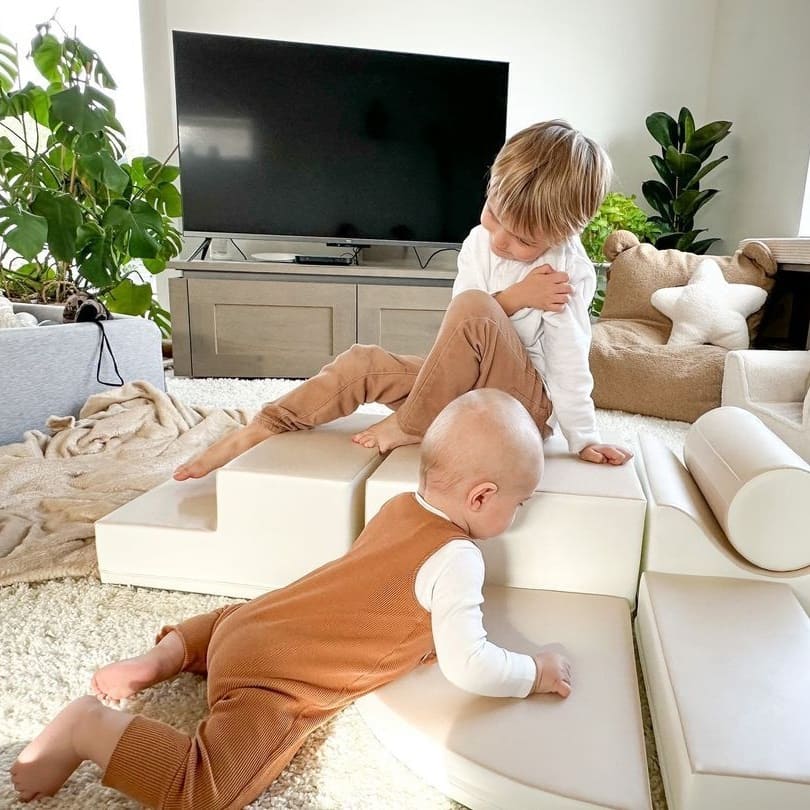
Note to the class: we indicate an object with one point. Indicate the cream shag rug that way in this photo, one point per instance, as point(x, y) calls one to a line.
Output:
point(55, 634)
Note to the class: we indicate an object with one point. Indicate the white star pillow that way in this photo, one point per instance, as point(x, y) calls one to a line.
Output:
point(709, 309)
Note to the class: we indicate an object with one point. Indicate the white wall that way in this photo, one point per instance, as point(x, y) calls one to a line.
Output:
point(116, 41)
point(761, 82)
point(603, 66)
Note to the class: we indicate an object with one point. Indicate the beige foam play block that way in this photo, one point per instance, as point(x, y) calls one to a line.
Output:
point(726, 664)
point(267, 518)
point(682, 536)
point(537, 753)
point(582, 531)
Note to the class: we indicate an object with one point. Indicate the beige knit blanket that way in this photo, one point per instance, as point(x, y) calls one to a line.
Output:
point(53, 488)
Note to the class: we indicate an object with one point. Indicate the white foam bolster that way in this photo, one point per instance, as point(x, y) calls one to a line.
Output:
point(757, 487)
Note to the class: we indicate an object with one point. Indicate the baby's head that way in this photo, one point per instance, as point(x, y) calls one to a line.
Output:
point(482, 457)
point(546, 185)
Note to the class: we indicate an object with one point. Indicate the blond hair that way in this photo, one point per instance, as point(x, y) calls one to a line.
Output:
point(550, 179)
point(483, 435)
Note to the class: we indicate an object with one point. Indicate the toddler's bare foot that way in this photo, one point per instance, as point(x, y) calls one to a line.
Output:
point(124, 678)
point(385, 435)
point(221, 452)
point(45, 764)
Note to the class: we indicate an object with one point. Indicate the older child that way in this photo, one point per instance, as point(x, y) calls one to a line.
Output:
point(282, 664)
point(507, 327)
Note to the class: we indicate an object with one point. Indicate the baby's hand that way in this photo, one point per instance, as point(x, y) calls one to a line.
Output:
point(553, 671)
point(605, 454)
point(545, 288)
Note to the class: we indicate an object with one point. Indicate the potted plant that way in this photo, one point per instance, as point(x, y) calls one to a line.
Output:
point(74, 215)
point(618, 212)
point(677, 197)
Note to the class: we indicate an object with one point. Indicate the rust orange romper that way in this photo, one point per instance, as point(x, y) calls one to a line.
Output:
point(282, 664)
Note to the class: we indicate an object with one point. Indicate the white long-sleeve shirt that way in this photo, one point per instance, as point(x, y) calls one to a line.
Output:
point(558, 343)
point(448, 585)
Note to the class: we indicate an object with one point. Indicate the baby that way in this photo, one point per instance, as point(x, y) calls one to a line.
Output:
point(408, 592)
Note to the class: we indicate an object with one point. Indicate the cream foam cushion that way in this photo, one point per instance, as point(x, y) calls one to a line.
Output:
point(541, 752)
point(582, 531)
point(725, 662)
point(274, 513)
point(757, 487)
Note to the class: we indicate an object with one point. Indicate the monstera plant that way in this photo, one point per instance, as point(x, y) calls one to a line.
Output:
point(74, 214)
point(677, 197)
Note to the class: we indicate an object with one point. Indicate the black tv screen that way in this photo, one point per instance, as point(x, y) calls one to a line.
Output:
point(313, 142)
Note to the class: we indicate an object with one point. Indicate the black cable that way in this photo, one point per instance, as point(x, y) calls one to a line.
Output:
point(419, 259)
point(239, 249)
point(202, 249)
point(105, 342)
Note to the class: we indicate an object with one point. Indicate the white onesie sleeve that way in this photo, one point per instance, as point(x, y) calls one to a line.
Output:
point(449, 585)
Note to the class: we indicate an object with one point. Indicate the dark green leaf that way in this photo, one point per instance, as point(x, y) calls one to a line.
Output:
point(46, 51)
point(154, 266)
point(658, 196)
point(9, 66)
point(23, 231)
point(87, 110)
point(170, 199)
point(666, 173)
point(663, 128)
point(686, 126)
point(704, 171)
point(689, 202)
point(103, 169)
point(142, 225)
point(64, 216)
point(707, 137)
point(668, 241)
point(129, 298)
point(688, 238)
point(682, 164)
point(702, 245)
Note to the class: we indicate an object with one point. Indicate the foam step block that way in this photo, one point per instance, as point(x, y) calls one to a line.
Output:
point(582, 531)
point(268, 517)
point(540, 752)
point(725, 662)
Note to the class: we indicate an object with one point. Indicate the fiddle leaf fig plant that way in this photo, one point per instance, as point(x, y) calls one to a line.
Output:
point(74, 214)
point(677, 197)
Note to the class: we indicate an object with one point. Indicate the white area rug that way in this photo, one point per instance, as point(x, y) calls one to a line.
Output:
point(54, 635)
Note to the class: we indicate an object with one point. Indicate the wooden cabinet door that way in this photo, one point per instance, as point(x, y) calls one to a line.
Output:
point(268, 328)
point(403, 319)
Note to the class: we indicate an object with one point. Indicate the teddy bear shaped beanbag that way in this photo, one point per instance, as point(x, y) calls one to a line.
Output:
point(635, 366)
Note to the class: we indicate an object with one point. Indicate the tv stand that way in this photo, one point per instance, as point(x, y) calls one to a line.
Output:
point(279, 319)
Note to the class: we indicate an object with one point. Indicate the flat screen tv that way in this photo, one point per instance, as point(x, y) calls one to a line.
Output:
point(282, 140)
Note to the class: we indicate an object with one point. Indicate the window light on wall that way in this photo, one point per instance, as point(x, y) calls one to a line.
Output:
point(116, 39)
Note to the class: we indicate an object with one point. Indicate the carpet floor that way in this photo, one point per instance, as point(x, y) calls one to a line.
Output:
point(53, 636)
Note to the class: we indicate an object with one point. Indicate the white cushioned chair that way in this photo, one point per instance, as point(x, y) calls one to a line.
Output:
point(775, 386)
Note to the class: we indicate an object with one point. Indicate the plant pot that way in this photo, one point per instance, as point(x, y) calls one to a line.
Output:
point(52, 370)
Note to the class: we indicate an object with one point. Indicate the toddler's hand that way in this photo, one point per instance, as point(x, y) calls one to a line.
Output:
point(553, 671)
point(545, 288)
point(605, 454)
point(222, 451)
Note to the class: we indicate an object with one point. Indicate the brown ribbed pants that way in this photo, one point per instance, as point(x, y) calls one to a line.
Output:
point(249, 736)
point(477, 347)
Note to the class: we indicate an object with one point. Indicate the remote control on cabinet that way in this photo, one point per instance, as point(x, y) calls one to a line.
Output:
point(324, 259)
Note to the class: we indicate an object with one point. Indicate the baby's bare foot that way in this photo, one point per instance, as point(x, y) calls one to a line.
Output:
point(45, 764)
point(125, 678)
point(122, 679)
point(385, 435)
